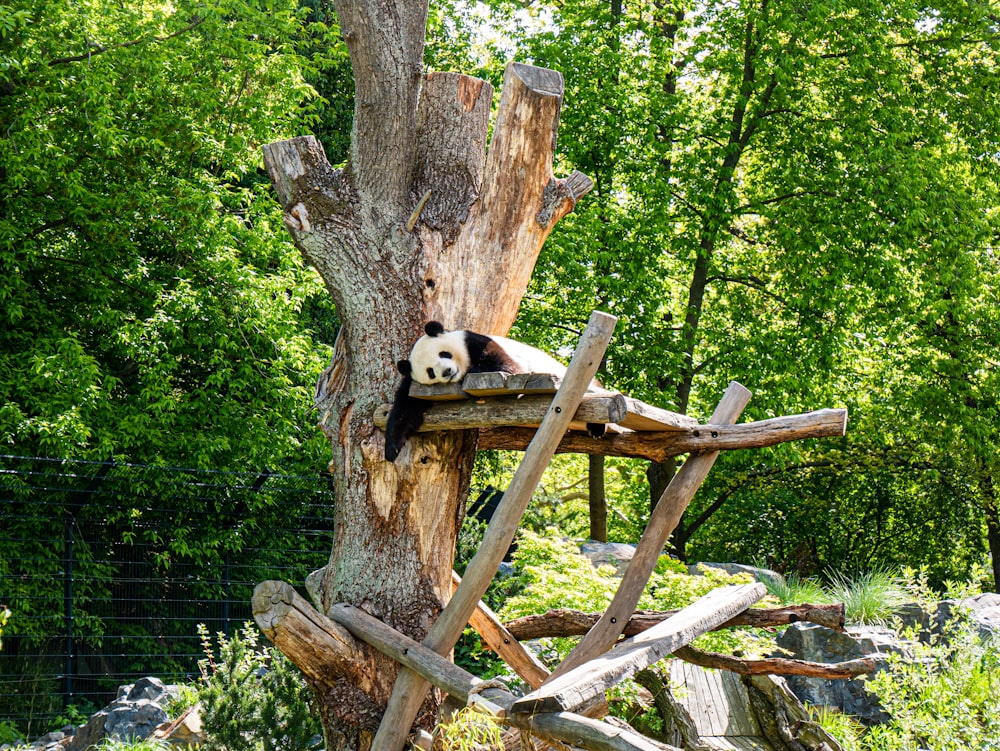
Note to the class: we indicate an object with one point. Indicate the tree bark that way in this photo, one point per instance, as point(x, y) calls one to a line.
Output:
point(420, 225)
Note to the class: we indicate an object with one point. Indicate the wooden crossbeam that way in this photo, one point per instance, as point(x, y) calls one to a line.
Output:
point(577, 687)
point(410, 688)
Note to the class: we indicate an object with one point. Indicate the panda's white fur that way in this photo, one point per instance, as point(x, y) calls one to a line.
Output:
point(441, 356)
point(446, 358)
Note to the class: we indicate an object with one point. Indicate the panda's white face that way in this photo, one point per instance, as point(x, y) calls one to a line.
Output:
point(440, 359)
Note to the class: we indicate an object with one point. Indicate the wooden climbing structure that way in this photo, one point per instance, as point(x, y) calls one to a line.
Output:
point(536, 412)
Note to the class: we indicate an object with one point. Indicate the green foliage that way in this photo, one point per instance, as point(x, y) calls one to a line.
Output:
point(943, 697)
point(552, 574)
point(253, 698)
point(147, 744)
point(152, 302)
point(794, 590)
point(469, 730)
point(871, 597)
point(791, 197)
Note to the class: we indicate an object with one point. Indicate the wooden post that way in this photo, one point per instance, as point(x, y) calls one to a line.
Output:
point(410, 688)
point(662, 522)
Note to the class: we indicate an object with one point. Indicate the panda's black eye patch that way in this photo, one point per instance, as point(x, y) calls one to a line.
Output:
point(446, 355)
point(430, 373)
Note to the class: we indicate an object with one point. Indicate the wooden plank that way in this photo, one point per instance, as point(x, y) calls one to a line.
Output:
point(645, 417)
point(665, 516)
point(505, 384)
point(410, 689)
point(439, 392)
point(575, 688)
point(524, 411)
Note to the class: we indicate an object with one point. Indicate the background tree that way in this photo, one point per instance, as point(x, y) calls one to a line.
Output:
point(803, 199)
point(153, 307)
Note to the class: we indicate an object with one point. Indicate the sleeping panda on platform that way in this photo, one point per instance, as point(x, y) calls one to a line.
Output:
point(446, 357)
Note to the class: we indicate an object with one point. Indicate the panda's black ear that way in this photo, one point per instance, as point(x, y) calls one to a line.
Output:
point(433, 328)
point(404, 367)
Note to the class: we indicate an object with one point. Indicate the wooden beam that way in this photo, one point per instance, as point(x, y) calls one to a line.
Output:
point(662, 521)
point(642, 416)
point(660, 446)
point(500, 640)
point(564, 622)
point(442, 673)
point(410, 689)
point(575, 688)
point(837, 671)
point(524, 411)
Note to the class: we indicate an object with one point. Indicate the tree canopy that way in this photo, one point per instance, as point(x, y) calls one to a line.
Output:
point(802, 198)
point(153, 308)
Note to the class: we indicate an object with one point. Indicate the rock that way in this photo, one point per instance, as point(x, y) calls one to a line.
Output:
point(759, 574)
point(807, 641)
point(617, 554)
point(983, 610)
point(134, 715)
point(184, 731)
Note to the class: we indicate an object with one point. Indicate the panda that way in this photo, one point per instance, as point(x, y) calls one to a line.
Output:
point(441, 356)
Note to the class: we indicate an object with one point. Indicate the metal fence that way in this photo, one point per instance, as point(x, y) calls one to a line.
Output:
point(108, 569)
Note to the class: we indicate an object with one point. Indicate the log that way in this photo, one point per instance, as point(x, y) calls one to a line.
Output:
point(662, 521)
point(439, 671)
point(575, 688)
point(524, 410)
point(660, 446)
point(776, 665)
point(410, 689)
point(567, 622)
point(318, 646)
point(500, 640)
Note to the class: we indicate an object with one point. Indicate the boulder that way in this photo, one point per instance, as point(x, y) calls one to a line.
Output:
point(617, 554)
point(139, 709)
point(807, 641)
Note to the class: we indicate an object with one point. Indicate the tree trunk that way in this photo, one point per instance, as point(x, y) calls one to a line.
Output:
point(421, 225)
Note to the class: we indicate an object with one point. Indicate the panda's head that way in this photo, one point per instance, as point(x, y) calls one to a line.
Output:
point(438, 357)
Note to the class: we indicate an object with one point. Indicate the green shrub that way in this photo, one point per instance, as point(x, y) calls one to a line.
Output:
point(253, 698)
point(793, 590)
point(945, 697)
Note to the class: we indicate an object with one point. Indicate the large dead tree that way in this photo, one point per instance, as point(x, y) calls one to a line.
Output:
point(423, 223)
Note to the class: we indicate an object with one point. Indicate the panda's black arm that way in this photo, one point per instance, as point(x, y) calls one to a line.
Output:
point(405, 419)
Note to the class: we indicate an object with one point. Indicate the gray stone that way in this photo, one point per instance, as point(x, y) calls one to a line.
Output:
point(134, 715)
point(983, 610)
point(807, 641)
point(617, 554)
point(759, 574)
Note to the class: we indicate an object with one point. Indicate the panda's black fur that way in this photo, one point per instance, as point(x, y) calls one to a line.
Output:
point(447, 356)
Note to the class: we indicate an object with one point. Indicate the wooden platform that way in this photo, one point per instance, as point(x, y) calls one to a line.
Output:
point(598, 405)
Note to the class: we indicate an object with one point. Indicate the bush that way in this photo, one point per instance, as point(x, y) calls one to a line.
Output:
point(253, 698)
point(946, 697)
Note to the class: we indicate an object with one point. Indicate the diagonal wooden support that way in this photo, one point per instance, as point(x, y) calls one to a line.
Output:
point(580, 686)
point(410, 689)
point(662, 521)
point(528, 667)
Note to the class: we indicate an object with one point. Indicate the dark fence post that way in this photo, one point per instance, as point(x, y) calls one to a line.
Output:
point(74, 503)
